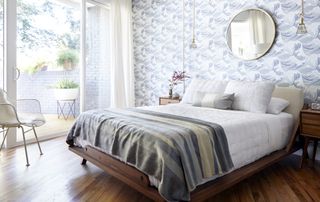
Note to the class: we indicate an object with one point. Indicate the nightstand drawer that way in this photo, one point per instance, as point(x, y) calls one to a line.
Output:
point(308, 118)
point(311, 130)
point(164, 101)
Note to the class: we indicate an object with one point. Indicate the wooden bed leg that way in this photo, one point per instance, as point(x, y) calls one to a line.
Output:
point(315, 146)
point(84, 162)
point(305, 151)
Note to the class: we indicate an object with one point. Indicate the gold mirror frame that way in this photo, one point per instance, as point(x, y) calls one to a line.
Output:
point(254, 50)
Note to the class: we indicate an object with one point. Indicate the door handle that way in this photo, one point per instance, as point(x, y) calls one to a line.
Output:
point(18, 73)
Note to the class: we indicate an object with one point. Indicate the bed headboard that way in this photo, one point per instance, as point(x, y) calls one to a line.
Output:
point(295, 98)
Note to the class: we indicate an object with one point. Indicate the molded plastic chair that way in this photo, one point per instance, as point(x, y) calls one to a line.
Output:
point(31, 117)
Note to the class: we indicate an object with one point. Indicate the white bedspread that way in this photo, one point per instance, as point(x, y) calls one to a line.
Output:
point(250, 135)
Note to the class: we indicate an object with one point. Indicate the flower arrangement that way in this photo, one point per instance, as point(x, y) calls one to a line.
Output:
point(176, 78)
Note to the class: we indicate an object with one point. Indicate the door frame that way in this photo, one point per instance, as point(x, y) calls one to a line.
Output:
point(9, 58)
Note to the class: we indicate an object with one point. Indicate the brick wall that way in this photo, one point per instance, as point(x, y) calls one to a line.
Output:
point(39, 86)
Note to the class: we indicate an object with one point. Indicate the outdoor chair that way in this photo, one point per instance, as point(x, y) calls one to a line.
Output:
point(28, 115)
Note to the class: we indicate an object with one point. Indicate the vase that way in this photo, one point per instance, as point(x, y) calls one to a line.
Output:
point(170, 92)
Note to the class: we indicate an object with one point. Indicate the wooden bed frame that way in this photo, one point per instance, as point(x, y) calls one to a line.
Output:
point(140, 181)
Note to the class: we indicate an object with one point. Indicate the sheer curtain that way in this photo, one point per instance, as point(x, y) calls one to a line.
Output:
point(122, 73)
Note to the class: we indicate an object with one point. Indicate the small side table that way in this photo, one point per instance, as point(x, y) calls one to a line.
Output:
point(310, 130)
point(168, 100)
point(66, 108)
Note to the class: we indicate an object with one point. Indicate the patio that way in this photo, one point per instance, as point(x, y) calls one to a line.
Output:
point(54, 127)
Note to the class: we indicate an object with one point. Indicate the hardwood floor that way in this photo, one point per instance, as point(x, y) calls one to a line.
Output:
point(58, 176)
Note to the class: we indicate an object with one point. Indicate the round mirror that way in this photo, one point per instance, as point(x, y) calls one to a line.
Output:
point(251, 34)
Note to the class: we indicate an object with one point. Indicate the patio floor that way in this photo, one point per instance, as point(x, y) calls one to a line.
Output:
point(53, 127)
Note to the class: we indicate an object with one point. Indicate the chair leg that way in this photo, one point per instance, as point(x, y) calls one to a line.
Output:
point(35, 134)
point(4, 138)
point(25, 145)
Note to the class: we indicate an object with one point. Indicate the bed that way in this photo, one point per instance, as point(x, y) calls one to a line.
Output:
point(254, 141)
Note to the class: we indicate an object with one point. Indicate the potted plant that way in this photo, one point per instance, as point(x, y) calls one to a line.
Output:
point(66, 90)
point(68, 59)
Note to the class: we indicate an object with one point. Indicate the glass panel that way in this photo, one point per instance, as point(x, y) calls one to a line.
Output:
point(98, 57)
point(48, 42)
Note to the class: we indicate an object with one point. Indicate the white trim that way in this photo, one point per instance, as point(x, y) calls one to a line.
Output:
point(3, 53)
point(83, 55)
point(10, 55)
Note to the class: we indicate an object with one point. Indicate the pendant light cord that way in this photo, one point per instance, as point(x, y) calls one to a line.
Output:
point(183, 52)
point(194, 19)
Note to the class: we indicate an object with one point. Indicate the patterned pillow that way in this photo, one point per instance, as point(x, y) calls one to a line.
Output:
point(213, 100)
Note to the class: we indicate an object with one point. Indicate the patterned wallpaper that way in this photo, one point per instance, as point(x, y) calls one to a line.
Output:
point(158, 45)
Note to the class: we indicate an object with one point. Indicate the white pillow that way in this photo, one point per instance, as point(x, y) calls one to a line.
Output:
point(207, 86)
point(250, 96)
point(277, 105)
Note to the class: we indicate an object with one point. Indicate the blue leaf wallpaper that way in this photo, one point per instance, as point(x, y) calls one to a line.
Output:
point(159, 35)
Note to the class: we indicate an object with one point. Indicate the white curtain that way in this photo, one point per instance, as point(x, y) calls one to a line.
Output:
point(122, 73)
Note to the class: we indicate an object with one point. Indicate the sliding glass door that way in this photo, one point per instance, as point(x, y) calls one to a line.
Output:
point(41, 46)
point(36, 37)
point(48, 47)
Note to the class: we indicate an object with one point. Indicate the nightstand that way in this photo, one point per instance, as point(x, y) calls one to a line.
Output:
point(310, 130)
point(168, 100)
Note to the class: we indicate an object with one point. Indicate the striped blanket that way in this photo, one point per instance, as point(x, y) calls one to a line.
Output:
point(177, 151)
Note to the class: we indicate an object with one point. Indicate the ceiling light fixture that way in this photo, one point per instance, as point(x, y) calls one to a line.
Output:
point(301, 26)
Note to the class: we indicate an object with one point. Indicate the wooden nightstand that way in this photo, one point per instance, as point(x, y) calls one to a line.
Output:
point(310, 130)
point(168, 100)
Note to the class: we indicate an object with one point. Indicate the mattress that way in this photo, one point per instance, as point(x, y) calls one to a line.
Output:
point(250, 136)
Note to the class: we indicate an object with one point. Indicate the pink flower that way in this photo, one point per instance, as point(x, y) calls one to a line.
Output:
point(177, 77)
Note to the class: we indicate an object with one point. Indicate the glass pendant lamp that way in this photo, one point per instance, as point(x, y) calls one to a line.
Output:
point(193, 43)
point(302, 29)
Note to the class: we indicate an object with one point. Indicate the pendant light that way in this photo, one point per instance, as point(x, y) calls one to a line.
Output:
point(183, 45)
point(193, 43)
point(301, 26)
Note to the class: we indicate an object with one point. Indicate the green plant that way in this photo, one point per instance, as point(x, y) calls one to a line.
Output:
point(66, 84)
point(38, 66)
point(68, 57)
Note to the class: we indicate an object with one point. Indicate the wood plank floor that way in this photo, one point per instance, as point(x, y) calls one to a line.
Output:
point(58, 176)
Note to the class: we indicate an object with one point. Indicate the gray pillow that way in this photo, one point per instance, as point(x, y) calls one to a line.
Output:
point(213, 100)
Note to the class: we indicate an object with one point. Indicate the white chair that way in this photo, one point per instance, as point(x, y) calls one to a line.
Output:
point(31, 117)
